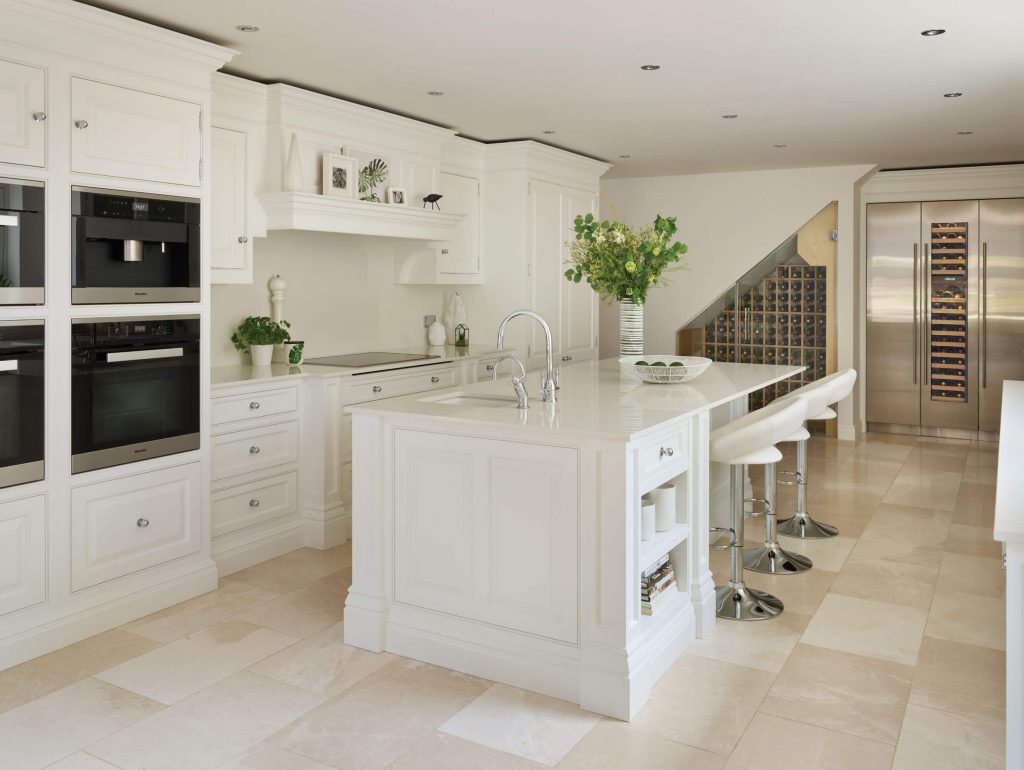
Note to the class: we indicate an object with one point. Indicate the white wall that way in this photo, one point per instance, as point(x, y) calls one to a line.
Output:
point(341, 297)
point(730, 221)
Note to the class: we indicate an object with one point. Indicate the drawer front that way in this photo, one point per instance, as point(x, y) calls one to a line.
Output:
point(372, 390)
point(262, 403)
point(255, 449)
point(126, 525)
point(254, 503)
point(22, 553)
point(485, 368)
point(663, 457)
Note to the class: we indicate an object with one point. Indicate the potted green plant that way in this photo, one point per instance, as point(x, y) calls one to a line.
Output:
point(622, 264)
point(258, 335)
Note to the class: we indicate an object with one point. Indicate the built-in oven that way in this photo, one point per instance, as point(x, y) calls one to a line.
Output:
point(22, 402)
point(134, 389)
point(130, 247)
point(22, 242)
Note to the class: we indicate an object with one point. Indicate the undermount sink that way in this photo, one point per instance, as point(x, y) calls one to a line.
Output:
point(472, 400)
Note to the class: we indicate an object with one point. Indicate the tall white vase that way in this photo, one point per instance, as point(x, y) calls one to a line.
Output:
point(631, 328)
point(293, 171)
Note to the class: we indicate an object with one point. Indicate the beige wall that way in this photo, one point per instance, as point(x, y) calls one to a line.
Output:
point(730, 221)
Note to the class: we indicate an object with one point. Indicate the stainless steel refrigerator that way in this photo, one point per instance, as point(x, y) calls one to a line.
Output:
point(945, 314)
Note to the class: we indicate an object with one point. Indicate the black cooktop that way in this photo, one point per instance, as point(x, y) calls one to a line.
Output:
point(355, 360)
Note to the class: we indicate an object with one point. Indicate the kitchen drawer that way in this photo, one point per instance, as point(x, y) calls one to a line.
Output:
point(122, 526)
point(360, 391)
point(254, 503)
point(663, 456)
point(260, 403)
point(22, 553)
point(485, 368)
point(255, 449)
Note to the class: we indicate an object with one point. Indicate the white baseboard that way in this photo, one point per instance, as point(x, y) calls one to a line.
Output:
point(846, 432)
point(75, 623)
point(328, 532)
point(233, 559)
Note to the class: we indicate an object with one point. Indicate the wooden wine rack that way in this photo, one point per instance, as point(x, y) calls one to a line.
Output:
point(947, 333)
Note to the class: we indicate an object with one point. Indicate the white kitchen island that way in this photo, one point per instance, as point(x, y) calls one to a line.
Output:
point(506, 543)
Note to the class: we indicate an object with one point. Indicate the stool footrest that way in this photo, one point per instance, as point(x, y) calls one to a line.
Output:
point(805, 528)
point(737, 602)
point(775, 560)
point(732, 538)
point(753, 501)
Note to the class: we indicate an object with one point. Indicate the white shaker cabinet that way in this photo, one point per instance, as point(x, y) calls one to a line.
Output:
point(22, 553)
point(231, 251)
point(459, 259)
point(578, 314)
point(122, 132)
point(22, 114)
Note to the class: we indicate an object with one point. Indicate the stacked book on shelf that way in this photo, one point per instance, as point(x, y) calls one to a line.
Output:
point(656, 583)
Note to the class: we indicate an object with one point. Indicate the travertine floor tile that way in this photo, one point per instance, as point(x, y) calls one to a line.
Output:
point(975, 504)
point(968, 618)
point(66, 721)
point(937, 740)
point(81, 761)
point(911, 585)
point(849, 693)
point(523, 723)
point(829, 553)
point(614, 745)
point(764, 646)
point(801, 593)
point(910, 545)
point(865, 627)
point(451, 753)
point(207, 729)
point(961, 678)
point(771, 743)
point(61, 668)
point(971, 575)
point(265, 756)
point(928, 489)
point(306, 610)
point(322, 663)
point(187, 665)
point(972, 541)
point(296, 569)
point(704, 703)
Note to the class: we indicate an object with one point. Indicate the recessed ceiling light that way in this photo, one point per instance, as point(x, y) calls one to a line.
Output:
point(953, 94)
point(650, 67)
point(624, 156)
point(933, 32)
point(778, 146)
point(247, 28)
point(964, 133)
point(730, 117)
point(435, 93)
point(547, 131)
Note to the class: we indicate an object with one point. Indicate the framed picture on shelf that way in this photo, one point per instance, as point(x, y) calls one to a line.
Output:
point(397, 196)
point(340, 175)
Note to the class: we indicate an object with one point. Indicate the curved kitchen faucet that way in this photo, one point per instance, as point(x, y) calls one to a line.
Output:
point(517, 382)
point(548, 387)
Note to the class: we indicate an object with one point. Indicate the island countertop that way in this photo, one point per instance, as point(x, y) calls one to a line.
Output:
point(595, 398)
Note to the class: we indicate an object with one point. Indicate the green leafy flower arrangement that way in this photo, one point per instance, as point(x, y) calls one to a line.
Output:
point(622, 263)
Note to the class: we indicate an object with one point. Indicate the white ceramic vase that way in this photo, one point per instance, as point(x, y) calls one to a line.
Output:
point(436, 334)
point(664, 507)
point(647, 515)
point(293, 171)
point(631, 328)
point(261, 354)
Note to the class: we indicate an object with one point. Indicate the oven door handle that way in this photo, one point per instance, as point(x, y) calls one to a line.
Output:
point(145, 355)
point(9, 366)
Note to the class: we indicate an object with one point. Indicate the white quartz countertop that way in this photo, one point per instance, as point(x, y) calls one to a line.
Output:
point(222, 376)
point(1009, 520)
point(595, 398)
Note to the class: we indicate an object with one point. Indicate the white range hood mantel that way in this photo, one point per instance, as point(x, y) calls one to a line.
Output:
point(307, 211)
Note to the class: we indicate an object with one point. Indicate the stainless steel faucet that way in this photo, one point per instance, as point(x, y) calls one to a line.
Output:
point(517, 382)
point(548, 387)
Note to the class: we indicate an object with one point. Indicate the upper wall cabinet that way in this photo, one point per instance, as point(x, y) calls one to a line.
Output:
point(231, 253)
point(22, 114)
point(132, 134)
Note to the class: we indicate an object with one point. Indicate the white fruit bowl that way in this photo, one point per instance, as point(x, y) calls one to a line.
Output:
point(676, 369)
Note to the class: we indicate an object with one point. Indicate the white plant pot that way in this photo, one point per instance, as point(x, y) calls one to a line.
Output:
point(261, 354)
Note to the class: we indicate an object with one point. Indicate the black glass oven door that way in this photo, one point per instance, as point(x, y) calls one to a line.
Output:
point(22, 403)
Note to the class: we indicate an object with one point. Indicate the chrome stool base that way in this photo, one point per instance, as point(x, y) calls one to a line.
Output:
point(775, 560)
point(804, 527)
point(738, 602)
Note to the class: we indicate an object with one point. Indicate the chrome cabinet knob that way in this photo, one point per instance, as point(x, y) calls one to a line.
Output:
point(142, 523)
point(243, 239)
point(254, 450)
point(80, 124)
point(38, 117)
point(377, 388)
point(254, 503)
point(490, 367)
point(567, 358)
point(666, 452)
point(435, 379)
point(254, 404)
point(444, 251)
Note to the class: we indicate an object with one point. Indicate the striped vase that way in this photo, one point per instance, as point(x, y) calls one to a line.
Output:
point(631, 328)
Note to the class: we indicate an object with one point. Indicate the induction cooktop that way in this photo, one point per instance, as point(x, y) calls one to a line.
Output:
point(356, 360)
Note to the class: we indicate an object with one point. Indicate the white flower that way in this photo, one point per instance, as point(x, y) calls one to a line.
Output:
point(599, 238)
point(618, 237)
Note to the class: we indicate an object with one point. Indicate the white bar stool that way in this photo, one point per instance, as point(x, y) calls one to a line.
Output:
point(818, 394)
point(750, 440)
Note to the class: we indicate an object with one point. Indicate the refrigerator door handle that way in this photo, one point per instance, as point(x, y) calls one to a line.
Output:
point(916, 320)
point(984, 314)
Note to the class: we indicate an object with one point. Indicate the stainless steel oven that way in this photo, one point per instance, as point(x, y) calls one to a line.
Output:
point(134, 389)
point(133, 248)
point(22, 242)
point(22, 402)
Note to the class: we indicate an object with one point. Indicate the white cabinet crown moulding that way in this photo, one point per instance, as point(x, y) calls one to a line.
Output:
point(308, 211)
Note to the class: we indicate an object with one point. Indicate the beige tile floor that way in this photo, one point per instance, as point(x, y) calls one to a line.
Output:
point(890, 655)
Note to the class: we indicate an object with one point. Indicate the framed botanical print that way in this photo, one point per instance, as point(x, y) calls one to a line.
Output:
point(340, 175)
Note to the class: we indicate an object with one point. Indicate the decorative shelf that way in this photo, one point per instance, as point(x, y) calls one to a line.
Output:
point(305, 211)
point(662, 542)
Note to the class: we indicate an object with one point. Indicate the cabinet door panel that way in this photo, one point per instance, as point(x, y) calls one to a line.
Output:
point(22, 553)
point(578, 323)
point(22, 104)
point(230, 247)
point(461, 196)
point(548, 232)
point(133, 134)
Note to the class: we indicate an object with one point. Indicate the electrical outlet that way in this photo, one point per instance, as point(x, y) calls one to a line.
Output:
point(428, 319)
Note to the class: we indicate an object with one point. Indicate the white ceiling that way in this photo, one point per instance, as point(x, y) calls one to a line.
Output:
point(836, 81)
